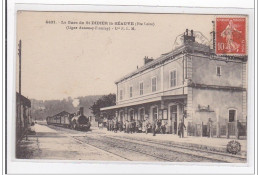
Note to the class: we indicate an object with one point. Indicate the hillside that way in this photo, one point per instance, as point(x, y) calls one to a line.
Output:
point(41, 109)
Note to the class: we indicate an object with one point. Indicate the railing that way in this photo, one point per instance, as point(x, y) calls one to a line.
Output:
point(227, 129)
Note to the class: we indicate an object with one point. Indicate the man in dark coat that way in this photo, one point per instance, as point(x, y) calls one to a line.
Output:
point(181, 129)
point(108, 125)
point(121, 126)
point(134, 126)
point(209, 127)
point(154, 127)
point(127, 126)
point(131, 126)
point(115, 125)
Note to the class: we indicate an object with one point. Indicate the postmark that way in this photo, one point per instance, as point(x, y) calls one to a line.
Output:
point(231, 36)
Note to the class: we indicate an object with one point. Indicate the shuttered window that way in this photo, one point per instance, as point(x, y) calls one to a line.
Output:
point(131, 91)
point(154, 84)
point(141, 88)
point(218, 70)
point(121, 94)
point(173, 78)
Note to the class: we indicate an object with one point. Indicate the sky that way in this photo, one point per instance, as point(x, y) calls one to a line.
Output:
point(58, 62)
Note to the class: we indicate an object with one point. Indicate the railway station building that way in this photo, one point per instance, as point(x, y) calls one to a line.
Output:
point(190, 83)
point(23, 115)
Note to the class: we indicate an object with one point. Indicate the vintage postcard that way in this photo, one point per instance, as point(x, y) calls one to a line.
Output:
point(131, 87)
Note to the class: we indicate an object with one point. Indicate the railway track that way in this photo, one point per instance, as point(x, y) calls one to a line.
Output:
point(116, 146)
point(232, 158)
point(153, 150)
point(159, 153)
point(106, 151)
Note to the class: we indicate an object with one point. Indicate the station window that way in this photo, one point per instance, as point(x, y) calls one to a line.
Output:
point(218, 71)
point(121, 94)
point(141, 88)
point(154, 82)
point(131, 91)
point(173, 78)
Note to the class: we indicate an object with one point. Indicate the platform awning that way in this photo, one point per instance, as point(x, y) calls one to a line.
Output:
point(148, 100)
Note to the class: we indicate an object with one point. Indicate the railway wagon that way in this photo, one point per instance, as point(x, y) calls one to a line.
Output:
point(65, 120)
point(61, 118)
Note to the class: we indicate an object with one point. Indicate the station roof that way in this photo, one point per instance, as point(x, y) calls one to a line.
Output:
point(62, 113)
point(167, 56)
point(187, 47)
point(25, 101)
point(139, 102)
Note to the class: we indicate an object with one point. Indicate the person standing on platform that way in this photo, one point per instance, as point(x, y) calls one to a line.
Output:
point(131, 126)
point(108, 125)
point(134, 126)
point(115, 125)
point(181, 129)
point(154, 127)
point(209, 128)
point(124, 125)
point(120, 126)
point(144, 126)
point(127, 126)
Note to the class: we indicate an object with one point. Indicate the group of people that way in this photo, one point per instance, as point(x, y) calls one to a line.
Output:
point(137, 126)
point(126, 126)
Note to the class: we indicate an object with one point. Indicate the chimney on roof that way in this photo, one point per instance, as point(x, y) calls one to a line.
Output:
point(187, 37)
point(147, 60)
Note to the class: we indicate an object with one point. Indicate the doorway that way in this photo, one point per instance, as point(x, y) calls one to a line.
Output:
point(121, 115)
point(131, 115)
point(155, 113)
point(173, 117)
point(141, 114)
point(232, 115)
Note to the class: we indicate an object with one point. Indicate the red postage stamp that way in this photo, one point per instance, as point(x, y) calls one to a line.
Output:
point(231, 36)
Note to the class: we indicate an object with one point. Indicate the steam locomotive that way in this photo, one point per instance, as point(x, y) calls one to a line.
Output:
point(75, 121)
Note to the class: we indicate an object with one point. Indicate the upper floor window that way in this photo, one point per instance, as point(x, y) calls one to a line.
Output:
point(121, 95)
point(131, 91)
point(218, 70)
point(173, 78)
point(154, 84)
point(141, 88)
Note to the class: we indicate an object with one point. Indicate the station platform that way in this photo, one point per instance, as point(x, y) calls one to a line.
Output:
point(204, 143)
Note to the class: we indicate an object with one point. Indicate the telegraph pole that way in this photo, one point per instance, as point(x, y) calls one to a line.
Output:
point(20, 93)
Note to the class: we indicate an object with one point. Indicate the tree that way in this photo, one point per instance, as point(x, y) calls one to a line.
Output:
point(104, 101)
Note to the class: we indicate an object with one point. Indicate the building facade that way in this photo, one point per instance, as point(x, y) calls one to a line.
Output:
point(190, 83)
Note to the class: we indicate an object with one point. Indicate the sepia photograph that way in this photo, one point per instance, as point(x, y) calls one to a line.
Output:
point(142, 87)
